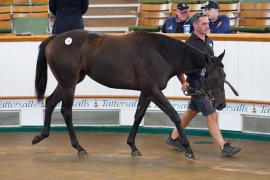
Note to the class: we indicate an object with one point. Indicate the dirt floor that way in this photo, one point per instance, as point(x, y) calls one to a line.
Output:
point(109, 158)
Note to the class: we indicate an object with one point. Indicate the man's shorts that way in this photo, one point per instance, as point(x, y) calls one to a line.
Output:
point(201, 104)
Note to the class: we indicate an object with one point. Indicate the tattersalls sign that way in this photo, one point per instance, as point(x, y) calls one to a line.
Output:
point(114, 103)
point(31, 113)
point(17, 104)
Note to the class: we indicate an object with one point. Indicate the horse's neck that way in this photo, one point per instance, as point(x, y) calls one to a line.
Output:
point(188, 61)
point(194, 58)
point(183, 58)
point(188, 65)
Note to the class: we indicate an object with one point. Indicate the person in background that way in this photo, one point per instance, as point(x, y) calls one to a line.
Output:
point(218, 23)
point(68, 14)
point(200, 103)
point(176, 24)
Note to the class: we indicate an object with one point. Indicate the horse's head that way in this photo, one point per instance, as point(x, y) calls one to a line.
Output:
point(213, 79)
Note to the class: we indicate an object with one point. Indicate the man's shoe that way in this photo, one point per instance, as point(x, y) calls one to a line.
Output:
point(229, 150)
point(176, 143)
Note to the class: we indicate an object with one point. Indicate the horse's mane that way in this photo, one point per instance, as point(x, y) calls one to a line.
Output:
point(173, 49)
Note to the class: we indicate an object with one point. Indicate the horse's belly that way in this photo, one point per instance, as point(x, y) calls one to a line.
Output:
point(116, 83)
point(114, 77)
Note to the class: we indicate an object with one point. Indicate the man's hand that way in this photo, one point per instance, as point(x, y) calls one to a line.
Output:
point(185, 86)
point(183, 81)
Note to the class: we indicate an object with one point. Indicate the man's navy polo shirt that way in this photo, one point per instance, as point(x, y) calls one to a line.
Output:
point(204, 46)
point(221, 25)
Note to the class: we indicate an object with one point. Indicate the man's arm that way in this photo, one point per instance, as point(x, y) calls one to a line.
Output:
point(85, 4)
point(163, 29)
point(224, 25)
point(183, 81)
point(52, 6)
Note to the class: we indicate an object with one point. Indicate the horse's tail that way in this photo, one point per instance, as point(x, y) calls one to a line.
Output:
point(41, 70)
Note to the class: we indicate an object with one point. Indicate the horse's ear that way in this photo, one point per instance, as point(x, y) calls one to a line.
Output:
point(220, 57)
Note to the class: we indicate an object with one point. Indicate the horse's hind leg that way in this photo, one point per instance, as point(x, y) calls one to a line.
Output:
point(66, 110)
point(162, 102)
point(50, 104)
point(141, 108)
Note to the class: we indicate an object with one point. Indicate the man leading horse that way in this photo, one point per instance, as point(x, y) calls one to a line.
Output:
point(201, 102)
point(137, 61)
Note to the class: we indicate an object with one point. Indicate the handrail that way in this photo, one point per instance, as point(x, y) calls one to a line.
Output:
point(137, 97)
point(216, 37)
point(14, 38)
point(231, 37)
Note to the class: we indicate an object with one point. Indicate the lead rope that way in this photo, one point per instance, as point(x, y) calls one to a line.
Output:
point(193, 92)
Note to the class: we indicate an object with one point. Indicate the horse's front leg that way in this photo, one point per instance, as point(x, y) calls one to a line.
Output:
point(162, 102)
point(141, 108)
point(50, 104)
point(66, 110)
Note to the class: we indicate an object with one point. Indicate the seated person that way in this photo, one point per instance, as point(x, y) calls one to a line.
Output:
point(175, 24)
point(218, 23)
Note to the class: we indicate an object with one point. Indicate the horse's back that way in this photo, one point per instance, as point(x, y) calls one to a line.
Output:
point(69, 39)
point(126, 61)
point(118, 61)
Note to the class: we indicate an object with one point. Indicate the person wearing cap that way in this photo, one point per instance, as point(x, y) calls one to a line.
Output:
point(176, 24)
point(68, 14)
point(218, 23)
point(200, 103)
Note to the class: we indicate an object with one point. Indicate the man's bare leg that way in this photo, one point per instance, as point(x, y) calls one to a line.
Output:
point(214, 129)
point(226, 149)
point(186, 118)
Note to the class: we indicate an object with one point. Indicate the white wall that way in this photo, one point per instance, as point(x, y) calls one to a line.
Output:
point(247, 65)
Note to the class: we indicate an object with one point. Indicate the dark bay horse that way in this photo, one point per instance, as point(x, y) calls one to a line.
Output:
point(137, 61)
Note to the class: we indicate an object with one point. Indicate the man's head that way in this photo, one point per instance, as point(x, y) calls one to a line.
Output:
point(200, 23)
point(212, 10)
point(182, 11)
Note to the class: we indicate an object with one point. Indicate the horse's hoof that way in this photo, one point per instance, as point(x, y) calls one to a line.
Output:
point(36, 139)
point(136, 153)
point(190, 156)
point(82, 154)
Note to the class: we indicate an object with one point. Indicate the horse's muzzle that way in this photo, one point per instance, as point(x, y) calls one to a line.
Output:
point(221, 106)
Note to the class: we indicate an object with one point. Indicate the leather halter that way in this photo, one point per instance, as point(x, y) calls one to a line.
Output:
point(208, 93)
point(201, 91)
